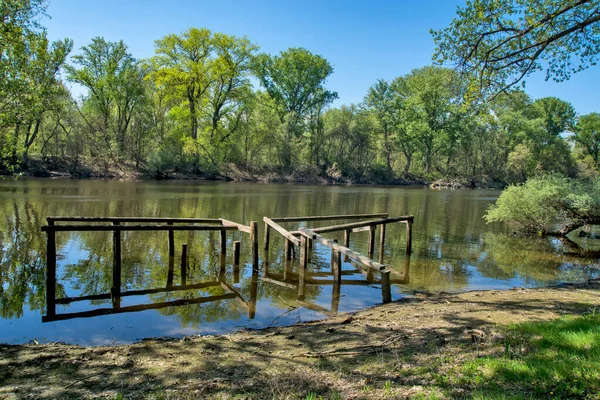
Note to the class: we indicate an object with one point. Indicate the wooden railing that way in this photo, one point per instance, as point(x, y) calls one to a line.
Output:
point(121, 224)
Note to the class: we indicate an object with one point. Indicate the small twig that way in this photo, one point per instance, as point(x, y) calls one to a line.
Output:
point(83, 379)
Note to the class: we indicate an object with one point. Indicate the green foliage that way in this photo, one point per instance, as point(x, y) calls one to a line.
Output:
point(501, 42)
point(587, 135)
point(548, 205)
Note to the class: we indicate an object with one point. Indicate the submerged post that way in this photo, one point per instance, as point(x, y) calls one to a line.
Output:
point(223, 241)
point(409, 236)
point(372, 229)
point(382, 243)
point(183, 264)
point(116, 278)
point(386, 287)
point(336, 265)
point(288, 249)
point(51, 272)
point(236, 252)
point(254, 240)
point(267, 236)
point(303, 251)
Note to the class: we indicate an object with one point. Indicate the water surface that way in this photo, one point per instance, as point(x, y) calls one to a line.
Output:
point(453, 250)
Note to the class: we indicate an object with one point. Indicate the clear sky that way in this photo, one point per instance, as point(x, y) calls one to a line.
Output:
point(363, 40)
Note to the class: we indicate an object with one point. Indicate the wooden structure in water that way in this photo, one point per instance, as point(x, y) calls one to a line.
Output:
point(305, 237)
point(117, 225)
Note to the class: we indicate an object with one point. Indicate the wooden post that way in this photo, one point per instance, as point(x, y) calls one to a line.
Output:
point(382, 243)
point(288, 249)
point(332, 262)
point(236, 252)
point(267, 236)
point(372, 229)
point(347, 237)
point(386, 287)
point(171, 241)
point(183, 264)
point(409, 236)
point(222, 264)
point(254, 240)
point(223, 242)
point(51, 272)
point(170, 272)
point(116, 278)
point(303, 252)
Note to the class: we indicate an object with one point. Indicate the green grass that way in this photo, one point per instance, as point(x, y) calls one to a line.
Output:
point(556, 359)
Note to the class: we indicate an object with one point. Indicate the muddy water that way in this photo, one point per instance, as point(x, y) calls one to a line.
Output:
point(453, 250)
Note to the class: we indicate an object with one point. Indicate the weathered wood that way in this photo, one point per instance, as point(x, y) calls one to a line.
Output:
point(301, 284)
point(240, 227)
point(254, 243)
point(135, 308)
point(386, 288)
point(354, 226)
point(253, 293)
point(347, 238)
point(344, 250)
point(372, 240)
point(382, 243)
point(184, 263)
point(409, 236)
point(105, 296)
point(282, 231)
point(267, 236)
point(108, 228)
point(116, 277)
point(329, 217)
point(303, 252)
point(336, 265)
point(133, 219)
point(223, 242)
point(361, 229)
point(50, 273)
point(236, 253)
point(288, 249)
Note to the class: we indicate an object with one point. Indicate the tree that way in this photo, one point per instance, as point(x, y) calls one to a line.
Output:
point(549, 205)
point(381, 100)
point(114, 81)
point(500, 42)
point(295, 80)
point(587, 134)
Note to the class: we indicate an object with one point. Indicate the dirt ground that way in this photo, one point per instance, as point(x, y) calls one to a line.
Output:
point(388, 351)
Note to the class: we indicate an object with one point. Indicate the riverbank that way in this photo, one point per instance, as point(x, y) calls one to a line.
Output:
point(429, 346)
point(88, 169)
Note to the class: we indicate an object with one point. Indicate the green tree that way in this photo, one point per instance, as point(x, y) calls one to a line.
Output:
point(587, 134)
point(500, 42)
point(295, 80)
point(114, 81)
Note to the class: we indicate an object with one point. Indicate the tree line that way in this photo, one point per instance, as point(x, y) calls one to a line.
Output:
point(212, 104)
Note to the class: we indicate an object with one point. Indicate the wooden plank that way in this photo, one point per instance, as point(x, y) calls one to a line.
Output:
point(133, 219)
point(104, 228)
point(329, 217)
point(344, 250)
point(361, 229)
point(240, 227)
point(282, 231)
point(142, 292)
point(353, 225)
point(136, 308)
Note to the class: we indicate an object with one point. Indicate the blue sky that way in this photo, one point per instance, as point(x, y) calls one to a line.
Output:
point(363, 40)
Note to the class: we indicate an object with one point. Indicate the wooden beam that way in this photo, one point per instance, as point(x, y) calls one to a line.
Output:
point(105, 228)
point(344, 250)
point(361, 224)
point(282, 231)
point(134, 219)
point(254, 243)
point(51, 273)
point(240, 227)
point(236, 253)
point(329, 217)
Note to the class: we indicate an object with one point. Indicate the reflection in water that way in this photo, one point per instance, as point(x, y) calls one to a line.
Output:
point(453, 250)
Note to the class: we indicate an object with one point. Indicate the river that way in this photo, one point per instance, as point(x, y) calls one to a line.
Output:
point(453, 250)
